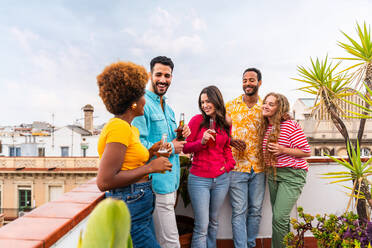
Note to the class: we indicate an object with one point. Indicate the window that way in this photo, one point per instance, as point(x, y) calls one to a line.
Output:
point(14, 151)
point(64, 151)
point(365, 152)
point(41, 151)
point(24, 197)
point(324, 151)
point(55, 192)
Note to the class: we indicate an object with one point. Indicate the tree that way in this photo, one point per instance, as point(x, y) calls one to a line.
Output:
point(329, 86)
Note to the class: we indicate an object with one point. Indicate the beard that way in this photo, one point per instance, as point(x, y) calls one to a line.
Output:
point(157, 91)
point(253, 92)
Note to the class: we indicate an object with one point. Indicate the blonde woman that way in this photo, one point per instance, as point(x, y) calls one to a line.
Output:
point(284, 147)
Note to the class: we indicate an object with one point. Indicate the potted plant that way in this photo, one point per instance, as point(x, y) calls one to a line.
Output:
point(185, 224)
point(330, 231)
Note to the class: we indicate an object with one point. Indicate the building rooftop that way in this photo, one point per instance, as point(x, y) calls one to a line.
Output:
point(308, 102)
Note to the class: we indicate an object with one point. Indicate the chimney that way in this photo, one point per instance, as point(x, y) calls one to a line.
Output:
point(88, 117)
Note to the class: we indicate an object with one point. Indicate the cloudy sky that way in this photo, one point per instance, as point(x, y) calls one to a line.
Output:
point(52, 51)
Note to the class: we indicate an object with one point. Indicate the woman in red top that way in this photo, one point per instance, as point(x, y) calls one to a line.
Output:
point(284, 148)
point(208, 180)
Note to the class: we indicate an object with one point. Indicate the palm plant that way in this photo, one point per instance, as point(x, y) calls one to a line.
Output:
point(328, 87)
point(367, 101)
point(361, 51)
point(357, 173)
point(331, 87)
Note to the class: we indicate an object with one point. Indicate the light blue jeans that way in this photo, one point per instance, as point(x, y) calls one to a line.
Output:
point(207, 196)
point(247, 191)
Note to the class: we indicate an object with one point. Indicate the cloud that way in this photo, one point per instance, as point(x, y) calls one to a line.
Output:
point(198, 24)
point(164, 36)
point(24, 37)
point(163, 20)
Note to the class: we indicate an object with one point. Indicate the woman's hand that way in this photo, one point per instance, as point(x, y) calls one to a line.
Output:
point(155, 148)
point(275, 148)
point(186, 131)
point(207, 135)
point(160, 164)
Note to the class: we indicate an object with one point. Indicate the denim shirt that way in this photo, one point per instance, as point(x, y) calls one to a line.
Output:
point(151, 126)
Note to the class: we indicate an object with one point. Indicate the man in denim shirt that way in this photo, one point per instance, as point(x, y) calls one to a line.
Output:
point(157, 120)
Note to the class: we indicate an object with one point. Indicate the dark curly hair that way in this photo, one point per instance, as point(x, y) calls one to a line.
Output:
point(120, 84)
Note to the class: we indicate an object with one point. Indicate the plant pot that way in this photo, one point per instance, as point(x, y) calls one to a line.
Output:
point(185, 227)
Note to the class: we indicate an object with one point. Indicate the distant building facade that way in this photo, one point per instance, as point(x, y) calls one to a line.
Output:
point(41, 139)
point(28, 182)
point(321, 133)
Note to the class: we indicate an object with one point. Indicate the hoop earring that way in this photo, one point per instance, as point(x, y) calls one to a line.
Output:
point(134, 106)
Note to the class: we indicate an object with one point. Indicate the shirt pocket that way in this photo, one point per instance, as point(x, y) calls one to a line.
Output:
point(173, 123)
point(158, 124)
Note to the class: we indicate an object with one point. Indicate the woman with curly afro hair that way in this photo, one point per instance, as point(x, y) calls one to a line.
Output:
point(284, 147)
point(124, 162)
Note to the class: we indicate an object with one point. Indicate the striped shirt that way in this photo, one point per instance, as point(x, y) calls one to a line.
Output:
point(291, 136)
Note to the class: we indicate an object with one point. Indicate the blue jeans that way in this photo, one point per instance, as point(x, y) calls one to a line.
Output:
point(207, 196)
point(246, 192)
point(140, 201)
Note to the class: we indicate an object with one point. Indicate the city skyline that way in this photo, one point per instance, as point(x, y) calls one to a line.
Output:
point(53, 51)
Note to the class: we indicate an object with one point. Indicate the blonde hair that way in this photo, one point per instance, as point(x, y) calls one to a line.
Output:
point(281, 114)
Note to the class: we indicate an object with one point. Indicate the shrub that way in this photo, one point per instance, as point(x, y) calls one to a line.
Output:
point(331, 231)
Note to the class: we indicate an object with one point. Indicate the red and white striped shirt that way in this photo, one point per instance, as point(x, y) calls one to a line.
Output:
point(291, 136)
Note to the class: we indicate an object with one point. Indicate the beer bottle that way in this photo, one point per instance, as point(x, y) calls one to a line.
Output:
point(180, 128)
point(211, 142)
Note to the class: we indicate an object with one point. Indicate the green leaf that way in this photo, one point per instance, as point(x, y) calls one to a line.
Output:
point(108, 226)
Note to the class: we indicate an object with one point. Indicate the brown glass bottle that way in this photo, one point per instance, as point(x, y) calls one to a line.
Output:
point(180, 128)
point(211, 142)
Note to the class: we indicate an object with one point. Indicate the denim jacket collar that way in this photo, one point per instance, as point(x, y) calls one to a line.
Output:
point(155, 97)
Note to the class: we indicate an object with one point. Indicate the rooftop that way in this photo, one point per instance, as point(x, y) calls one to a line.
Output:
point(58, 223)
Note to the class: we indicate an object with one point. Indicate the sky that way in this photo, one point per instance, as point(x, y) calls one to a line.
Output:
point(52, 51)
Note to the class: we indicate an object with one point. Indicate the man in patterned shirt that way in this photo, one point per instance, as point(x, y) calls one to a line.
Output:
point(247, 180)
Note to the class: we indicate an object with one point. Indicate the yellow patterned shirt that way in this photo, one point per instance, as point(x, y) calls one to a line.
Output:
point(245, 126)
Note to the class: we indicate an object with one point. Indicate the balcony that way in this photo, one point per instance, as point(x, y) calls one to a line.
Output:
point(58, 223)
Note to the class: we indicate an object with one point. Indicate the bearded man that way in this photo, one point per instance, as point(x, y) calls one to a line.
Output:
point(159, 119)
point(247, 180)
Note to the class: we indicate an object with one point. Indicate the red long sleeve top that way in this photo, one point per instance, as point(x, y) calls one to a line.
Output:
point(208, 161)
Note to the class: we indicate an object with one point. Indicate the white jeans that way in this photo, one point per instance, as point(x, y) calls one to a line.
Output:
point(165, 220)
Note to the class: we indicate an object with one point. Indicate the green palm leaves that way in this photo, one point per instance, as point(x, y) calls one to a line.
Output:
point(331, 88)
point(367, 100)
point(358, 171)
point(322, 81)
point(108, 226)
point(361, 50)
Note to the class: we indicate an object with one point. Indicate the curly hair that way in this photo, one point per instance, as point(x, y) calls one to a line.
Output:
point(120, 84)
point(281, 114)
